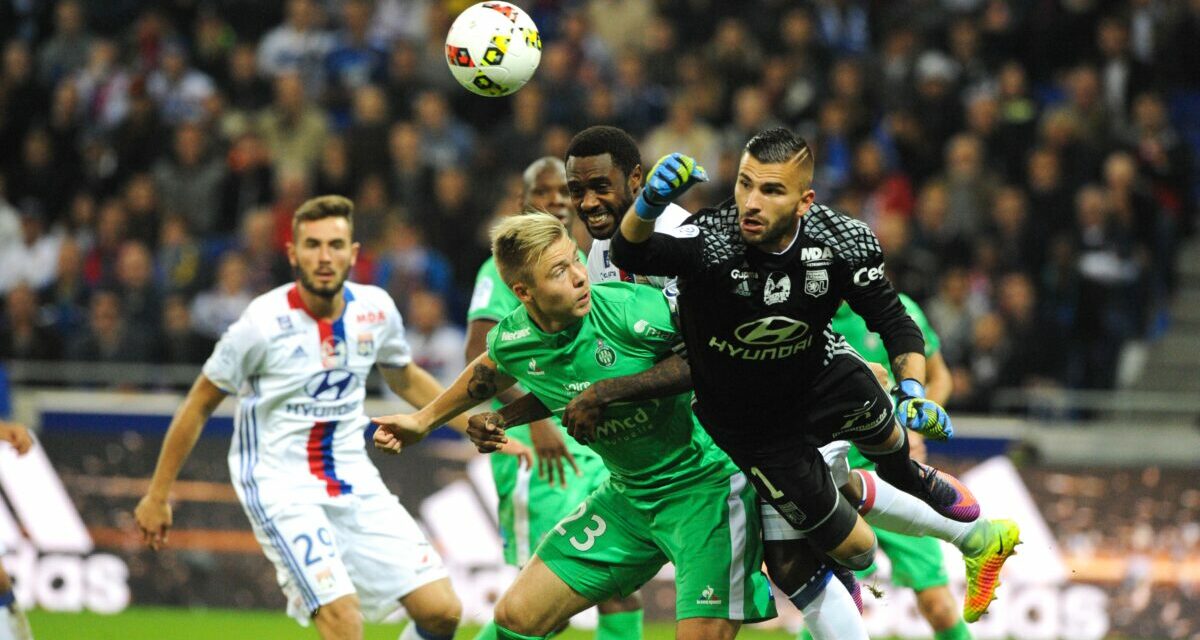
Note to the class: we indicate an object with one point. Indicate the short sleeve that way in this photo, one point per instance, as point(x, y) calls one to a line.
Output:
point(491, 299)
point(648, 321)
point(493, 352)
point(238, 355)
point(395, 350)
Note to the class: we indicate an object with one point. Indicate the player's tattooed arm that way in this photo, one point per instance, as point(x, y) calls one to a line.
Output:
point(667, 378)
point(909, 365)
point(482, 384)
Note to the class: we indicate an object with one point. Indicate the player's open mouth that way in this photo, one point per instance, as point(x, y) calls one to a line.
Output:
point(585, 298)
point(752, 225)
point(600, 219)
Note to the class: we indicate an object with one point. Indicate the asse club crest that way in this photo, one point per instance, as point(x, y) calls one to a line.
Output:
point(605, 356)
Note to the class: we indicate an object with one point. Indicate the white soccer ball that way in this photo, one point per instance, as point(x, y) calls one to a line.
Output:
point(493, 48)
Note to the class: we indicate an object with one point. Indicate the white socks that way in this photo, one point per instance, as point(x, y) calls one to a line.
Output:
point(891, 509)
point(832, 614)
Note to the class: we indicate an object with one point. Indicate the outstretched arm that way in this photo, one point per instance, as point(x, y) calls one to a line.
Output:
point(478, 382)
point(153, 513)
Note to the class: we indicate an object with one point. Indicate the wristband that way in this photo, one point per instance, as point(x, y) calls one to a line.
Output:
point(646, 210)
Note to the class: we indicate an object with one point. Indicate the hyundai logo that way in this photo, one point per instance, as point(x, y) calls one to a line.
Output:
point(771, 330)
point(333, 384)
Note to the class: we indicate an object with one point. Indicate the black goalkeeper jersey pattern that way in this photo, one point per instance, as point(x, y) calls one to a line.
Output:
point(758, 326)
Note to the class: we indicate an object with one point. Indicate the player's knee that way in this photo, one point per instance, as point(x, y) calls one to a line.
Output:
point(706, 629)
point(937, 606)
point(512, 615)
point(790, 563)
point(441, 619)
point(620, 605)
point(341, 618)
point(857, 552)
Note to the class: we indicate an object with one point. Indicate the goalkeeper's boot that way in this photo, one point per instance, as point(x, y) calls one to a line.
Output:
point(983, 570)
point(946, 494)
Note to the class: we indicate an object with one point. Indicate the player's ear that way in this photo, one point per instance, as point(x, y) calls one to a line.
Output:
point(806, 201)
point(354, 247)
point(521, 290)
point(291, 254)
point(634, 180)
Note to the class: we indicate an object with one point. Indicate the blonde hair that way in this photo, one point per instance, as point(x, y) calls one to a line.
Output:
point(518, 242)
point(322, 207)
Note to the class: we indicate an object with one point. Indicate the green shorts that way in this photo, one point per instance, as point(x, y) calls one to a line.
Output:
point(916, 562)
point(614, 543)
point(531, 506)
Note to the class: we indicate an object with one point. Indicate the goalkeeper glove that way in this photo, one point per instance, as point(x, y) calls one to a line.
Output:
point(923, 416)
point(670, 178)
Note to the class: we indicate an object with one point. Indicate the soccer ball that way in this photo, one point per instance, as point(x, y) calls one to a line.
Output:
point(493, 48)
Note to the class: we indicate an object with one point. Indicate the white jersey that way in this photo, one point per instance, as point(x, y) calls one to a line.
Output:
point(601, 268)
point(299, 433)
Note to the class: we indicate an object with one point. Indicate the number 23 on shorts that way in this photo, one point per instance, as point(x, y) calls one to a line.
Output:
point(590, 532)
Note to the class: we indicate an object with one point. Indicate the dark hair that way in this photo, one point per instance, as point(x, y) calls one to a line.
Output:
point(599, 140)
point(776, 145)
point(331, 206)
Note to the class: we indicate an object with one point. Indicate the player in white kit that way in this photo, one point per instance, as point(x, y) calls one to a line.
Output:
point(343, 547)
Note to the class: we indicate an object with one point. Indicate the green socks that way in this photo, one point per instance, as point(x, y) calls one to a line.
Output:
point(488, 632)
point(957, 632)
point(626, 625)
point(505, 634)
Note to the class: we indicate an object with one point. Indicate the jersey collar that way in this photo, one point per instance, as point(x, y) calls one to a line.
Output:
point(297, 302)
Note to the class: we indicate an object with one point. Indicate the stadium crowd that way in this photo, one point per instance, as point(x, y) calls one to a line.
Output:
point(1028, 166)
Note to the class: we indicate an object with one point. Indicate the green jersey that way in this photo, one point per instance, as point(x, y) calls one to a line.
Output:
point(870, 346)
point(649, 447)
point(868, 343)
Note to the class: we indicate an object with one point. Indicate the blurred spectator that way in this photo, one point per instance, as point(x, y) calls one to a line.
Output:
point(399, 19)
point(179, 89)
point(588, 49)
point(844, 25)
point(516, 141)
point(1049, 198)
point(249, 180)
point(1107, 270)
point(951, 315)
point(1034, 351)
point(937, 108)
point(65, 299)
point(405, 80)
point(910, 268)
point(33, 259)
point(933, 233)
point(445, 141)
point(1017, 113)
point(437, 346)
point(751, 114)
point(1018, 247)
point(22, 99)
point(22, 336)
point(683, 130)
point(108, 337)
point(884, 192)
point(103, 86)
point(180, 257)
point(367, 137)
point(245, 90)
point(190, 181)
point(354, 61)
point(67, 50)
point(10, 223)
point(142, 137)
point(298, 46)
point(266, 266)
point(141, 298)
point(36, 186)
point(142, 204)
point(409, 265)
point(989, 356)
point(1122, 76)
point(450, 212)
point(293, 128)
point(970, 186)
point(1165, 159)
point(215, 309)
point(620, 24)
point(181, 344)
point(640, 102)
point(410, 178)
point(965, 44)
point(733, 54)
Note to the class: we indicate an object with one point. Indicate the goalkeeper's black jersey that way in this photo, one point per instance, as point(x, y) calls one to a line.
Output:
point(757, 325)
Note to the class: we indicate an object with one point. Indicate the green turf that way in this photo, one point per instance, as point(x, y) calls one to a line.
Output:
point(143, 623)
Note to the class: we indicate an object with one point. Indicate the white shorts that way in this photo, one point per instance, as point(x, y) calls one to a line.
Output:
point(774, 526)
point(367, 545)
